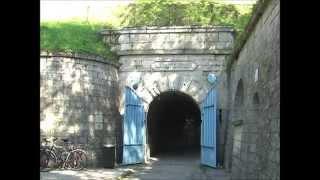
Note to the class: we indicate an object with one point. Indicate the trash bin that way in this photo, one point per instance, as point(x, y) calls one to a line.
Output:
point(108, 154)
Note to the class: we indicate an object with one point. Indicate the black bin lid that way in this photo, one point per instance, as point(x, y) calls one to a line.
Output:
point(108, 145)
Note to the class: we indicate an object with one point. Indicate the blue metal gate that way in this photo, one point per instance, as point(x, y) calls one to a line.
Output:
point(133, 129)
point(209, 130)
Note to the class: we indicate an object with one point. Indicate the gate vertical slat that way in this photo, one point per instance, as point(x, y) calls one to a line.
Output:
point(133, 145)
point(208, 130)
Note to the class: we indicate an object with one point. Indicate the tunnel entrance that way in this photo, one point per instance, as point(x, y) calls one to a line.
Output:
point(174, 124)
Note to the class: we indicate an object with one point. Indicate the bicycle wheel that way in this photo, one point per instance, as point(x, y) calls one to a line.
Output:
point(77, 160)
point(52, 160)
point(47, 159)
point(69, 161)
point(81, 159)
point(44, 159)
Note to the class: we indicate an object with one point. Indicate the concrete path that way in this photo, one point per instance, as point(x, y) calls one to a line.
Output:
point(175, 167)
point(165, 167)
point(90, 174)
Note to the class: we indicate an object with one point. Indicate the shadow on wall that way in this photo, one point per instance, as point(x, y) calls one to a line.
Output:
point(236, 126)
point(74, 93)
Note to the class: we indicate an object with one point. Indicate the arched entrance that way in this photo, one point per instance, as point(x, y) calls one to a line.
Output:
point(174, 124)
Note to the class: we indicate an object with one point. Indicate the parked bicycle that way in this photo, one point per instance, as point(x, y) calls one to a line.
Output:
point(67, 156)
point(47, 154)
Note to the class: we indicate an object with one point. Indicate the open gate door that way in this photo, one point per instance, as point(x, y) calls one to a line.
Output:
point(209, 130)
point(133, 129)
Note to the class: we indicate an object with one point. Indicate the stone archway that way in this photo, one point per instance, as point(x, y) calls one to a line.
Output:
point(152, 84)
point(159, 59)
point(173, 122)
point(155, 60)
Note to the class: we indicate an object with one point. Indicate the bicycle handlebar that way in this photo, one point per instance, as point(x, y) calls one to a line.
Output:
point(66, 142)
point(46, 139)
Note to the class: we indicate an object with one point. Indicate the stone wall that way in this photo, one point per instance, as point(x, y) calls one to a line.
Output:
point(179, 58)
point(249, 95)
point(188, 74)
point(171, 40)
point(78, 97)
point(170, 58)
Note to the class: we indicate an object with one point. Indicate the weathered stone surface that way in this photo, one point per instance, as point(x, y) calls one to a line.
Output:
point(78, 100)
point(171, 58)
point(224, 36)
point(165, 40)
point(82, 98)
point(257, 69)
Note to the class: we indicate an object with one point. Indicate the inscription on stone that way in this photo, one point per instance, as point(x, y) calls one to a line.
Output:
point(173, 66)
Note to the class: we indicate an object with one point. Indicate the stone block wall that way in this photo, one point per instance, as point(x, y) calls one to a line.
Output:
point(171, 40)
point(78, 97)
point(171, 58)
point(250, 96)
point(223, 113)
point(160, 73)
point(82, 96)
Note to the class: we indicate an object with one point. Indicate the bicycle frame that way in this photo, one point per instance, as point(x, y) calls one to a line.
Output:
point(62, 154)
point(73, 151)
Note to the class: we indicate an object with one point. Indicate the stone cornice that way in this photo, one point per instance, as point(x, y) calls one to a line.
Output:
point(83, 56)
point(167, 29)
point(175, 52)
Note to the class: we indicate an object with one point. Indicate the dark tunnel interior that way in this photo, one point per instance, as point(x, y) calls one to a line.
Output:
point(173, 124)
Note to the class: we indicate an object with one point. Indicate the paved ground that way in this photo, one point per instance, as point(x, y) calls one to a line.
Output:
point(175, 167)
point(90, 174)
point(183, 167)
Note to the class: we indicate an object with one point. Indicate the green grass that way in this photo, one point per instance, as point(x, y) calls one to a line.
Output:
point(74, 36)
point(82, 37)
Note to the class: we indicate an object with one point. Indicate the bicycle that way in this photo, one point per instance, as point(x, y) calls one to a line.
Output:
point(76, 157)
point(47, 155)
point(68, 156)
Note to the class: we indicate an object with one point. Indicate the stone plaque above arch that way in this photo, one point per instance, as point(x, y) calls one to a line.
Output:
point(170, 58)
point(173, 66)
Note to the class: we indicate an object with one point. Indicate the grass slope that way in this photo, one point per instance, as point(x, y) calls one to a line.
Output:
point(74, 36)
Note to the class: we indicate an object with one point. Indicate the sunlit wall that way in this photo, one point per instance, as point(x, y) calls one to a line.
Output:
point(78, 101)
